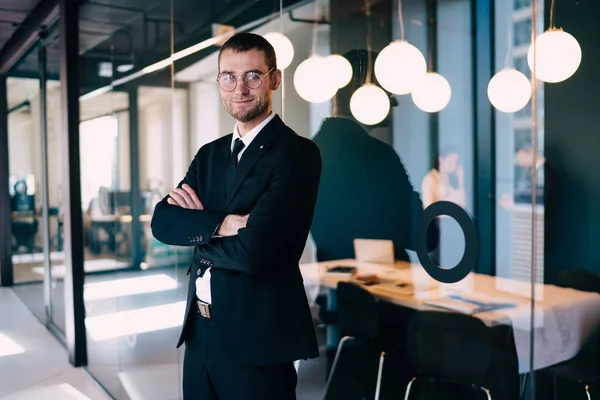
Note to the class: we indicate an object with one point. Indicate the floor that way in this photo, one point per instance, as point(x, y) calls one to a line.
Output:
point(33, 363)
point(133, 321)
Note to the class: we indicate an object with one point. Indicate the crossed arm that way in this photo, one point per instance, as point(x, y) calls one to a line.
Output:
point(270, 235)
point(186, 197)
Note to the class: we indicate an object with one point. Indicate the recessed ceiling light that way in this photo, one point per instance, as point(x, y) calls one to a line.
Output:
point(124, 68)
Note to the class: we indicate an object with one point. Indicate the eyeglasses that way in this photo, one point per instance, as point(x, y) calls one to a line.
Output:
point(252, 80)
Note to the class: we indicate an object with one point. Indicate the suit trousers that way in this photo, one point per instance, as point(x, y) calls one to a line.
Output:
point(210, 373)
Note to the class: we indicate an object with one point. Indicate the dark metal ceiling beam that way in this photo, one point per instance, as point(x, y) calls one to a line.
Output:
point(27, 34)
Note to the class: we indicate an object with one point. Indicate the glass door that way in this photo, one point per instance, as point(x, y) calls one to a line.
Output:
point(34, 183)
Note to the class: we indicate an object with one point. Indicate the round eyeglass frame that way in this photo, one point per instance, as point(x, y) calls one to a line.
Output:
point(262, 76)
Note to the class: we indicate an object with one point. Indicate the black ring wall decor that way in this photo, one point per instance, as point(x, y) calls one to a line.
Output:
point(467, 263)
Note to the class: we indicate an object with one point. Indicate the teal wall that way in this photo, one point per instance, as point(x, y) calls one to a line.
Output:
point(572, 148)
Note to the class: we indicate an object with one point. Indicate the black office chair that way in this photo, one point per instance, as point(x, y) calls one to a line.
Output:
point(579, 279)
point(24, 232)
point(584, 368)
point(449, 348)
point(358, 318)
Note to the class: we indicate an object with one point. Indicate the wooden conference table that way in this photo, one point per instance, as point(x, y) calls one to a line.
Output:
point(564, 319)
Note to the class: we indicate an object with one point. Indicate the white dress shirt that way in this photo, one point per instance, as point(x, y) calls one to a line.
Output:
point(203, 283)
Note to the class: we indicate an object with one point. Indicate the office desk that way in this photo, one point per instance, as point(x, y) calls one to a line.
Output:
point(565, 319)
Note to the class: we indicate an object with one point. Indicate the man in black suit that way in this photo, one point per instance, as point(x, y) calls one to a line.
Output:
point(246, 205)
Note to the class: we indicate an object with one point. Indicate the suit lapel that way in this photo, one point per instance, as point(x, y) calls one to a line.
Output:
point(259, 146)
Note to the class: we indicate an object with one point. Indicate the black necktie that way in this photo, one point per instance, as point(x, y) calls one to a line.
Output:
point(237, 147)
point(233, 163)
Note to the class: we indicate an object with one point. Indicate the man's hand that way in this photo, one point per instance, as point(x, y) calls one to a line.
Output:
point(232, 224)
point(185, 198)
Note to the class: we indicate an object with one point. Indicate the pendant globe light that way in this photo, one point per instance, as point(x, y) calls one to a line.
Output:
point(312, 78)
point(338, 69)
point(284, 49)
point(400, 65)
point(369, 104)
point(432, 92)
point(557, 54)
point(509, 90)
point(311, 83)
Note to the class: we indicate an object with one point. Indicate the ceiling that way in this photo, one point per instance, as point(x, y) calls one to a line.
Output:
point(135, 32)
point(12, 14)
point(206, 68)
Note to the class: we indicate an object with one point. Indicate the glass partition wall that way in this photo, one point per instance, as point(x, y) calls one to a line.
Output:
point(402, 150)
point(132, 136)
point(406, 133)
point(435, 190)
point(33, 94)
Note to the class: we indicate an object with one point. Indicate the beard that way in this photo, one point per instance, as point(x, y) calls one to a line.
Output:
point(252, 113)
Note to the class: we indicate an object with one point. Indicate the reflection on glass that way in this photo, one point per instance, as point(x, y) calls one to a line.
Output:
point(366, 191)
point(28, 168)
point(365, 178)
point(24, 181)
point(133, 322)
point(129, 287)
point(445, 181)
point(8, 346)
point(515, 153)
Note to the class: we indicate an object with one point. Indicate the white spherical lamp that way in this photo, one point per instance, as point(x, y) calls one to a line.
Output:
point(338, 69)
point(369, 104)
point(509, 90)
point(284, 49)
point(432, 93)
point(311, 83)
point(557, 57)
point(399, 66)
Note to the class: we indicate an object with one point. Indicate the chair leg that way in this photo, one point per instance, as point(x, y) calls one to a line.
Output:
point(524, 387)
point(379, 373)
point(487, 392)
point(408, 388)
point(587, 391)
point(335, 361)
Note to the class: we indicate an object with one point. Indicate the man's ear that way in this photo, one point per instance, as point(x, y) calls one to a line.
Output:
point(276, 79)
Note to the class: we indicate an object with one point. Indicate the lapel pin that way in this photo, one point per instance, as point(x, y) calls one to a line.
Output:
point(260, 148)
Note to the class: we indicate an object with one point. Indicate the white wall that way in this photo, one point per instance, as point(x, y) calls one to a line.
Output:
point(20, 137)
point(208, 120)
point(25, 152)
point(163, 136)
point(123, 151)
point(55, 158)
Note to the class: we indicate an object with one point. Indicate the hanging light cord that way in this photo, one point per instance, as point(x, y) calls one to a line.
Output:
point(430, 33)
point(314, 42)
point(510, 45)
point(552, 26)
point(369, 60)
point(401, 20)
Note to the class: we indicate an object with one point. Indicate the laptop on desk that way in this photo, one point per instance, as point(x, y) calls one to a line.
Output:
point(374, 251)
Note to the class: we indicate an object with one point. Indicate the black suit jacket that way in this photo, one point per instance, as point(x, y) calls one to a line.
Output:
point(258, 298)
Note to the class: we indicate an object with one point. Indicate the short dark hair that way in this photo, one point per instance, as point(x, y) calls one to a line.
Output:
point(243, 42)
